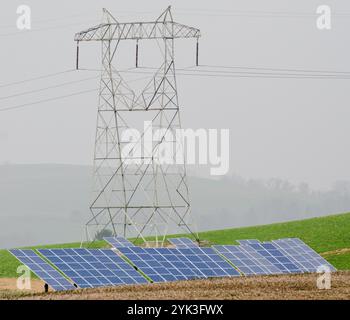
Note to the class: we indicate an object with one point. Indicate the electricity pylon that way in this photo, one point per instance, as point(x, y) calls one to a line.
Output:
point(136, 195)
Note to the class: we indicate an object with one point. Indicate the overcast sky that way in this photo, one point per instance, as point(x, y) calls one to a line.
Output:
point(294, 129)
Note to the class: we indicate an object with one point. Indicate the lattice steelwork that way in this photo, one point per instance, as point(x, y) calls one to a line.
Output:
point(137, 195)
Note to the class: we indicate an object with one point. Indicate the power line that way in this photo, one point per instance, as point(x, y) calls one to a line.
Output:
point(34, 20)
point(46, 88)
point(201, 73)
point(285, 70)
point(46, 100)
point(57, 98)
point(254, 13)
point(184, 72)
point(44, 28)
point(267, 73)
point(37, 78)
point(326, 72)
point(276, 69)
point(62, 26)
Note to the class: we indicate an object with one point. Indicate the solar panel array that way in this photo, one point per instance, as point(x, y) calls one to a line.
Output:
point(273, 254)
point(157, 266)
point(208, 262)
point(171, 264)
point(247, 260)
point(303, 256)
point(118, 242)
point(289, 255)
point(90, 268)
point(248, 241)
point(43, 270)
point(183, 242)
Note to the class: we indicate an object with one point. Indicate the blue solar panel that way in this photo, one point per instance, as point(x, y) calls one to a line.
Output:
point(157, 266)
point(90, 268)
point(247, 260)
point(183, 242)
point(171, 264)
point(43, 270)
point(272, 253)
point(207, 261)
point(118, 242)
point(302, 255)
point(248, 241)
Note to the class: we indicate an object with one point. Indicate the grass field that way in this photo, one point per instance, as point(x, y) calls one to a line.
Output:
point(329, 236)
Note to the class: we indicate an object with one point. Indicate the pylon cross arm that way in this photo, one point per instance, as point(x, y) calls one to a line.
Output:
point(137, 30)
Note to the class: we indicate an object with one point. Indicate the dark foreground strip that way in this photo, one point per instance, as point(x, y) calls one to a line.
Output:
point(195, 309)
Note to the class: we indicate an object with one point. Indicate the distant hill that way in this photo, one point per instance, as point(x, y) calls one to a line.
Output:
point(49, 203)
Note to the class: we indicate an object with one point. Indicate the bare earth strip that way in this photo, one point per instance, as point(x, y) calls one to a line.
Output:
point(11, 284)
point(8, 288)
point(336, 252)
point(270, 287)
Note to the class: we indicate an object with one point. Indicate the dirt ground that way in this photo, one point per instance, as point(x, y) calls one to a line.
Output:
point(268, 287)
point(11, 284)
point(8, 287)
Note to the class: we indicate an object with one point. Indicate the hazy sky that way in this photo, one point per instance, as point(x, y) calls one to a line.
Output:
point(295, 129)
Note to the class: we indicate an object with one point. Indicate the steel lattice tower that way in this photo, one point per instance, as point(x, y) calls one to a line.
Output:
point(147, 198)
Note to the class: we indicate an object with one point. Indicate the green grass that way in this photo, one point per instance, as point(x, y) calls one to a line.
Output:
point(340, 261)
point(322, 234)
point(8, 265)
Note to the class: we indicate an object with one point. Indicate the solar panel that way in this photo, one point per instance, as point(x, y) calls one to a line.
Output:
point(118, 242)
point(302, 255)
point(248, 241)
point(207, 261)
point(183, 242)
point(42, 269)
point(272, 253)
point(157, 266)
point(247, 260)
point(171, 264)
point(90, 268)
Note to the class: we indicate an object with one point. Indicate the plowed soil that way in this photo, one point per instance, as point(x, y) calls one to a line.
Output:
point(11, 284)
point(268, 287)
